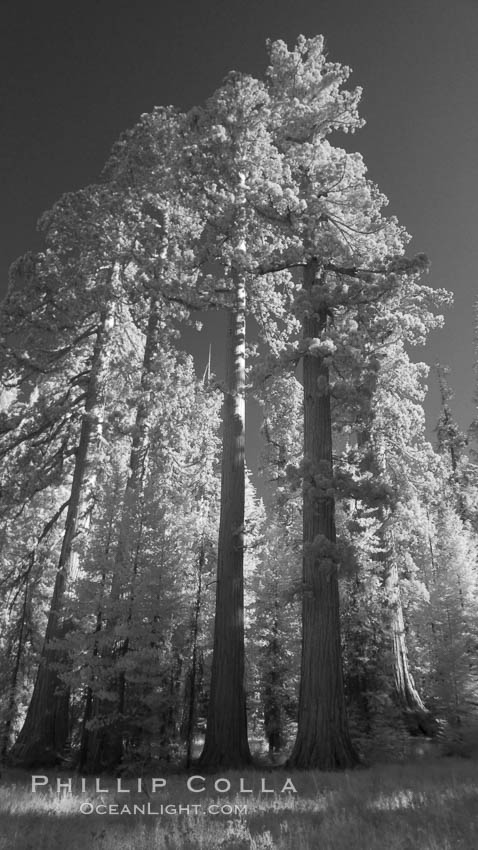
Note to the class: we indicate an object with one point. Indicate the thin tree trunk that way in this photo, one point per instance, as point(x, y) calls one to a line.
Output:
point(273, 691)
point(131, 517)
point(16, 667)
point(44, 734)
point(86, 734)
point(359, 683)
point(226, 743)
point(11, 709)
point(323, 739)
point(90, 738)
point(193, 677)
point(106, 744)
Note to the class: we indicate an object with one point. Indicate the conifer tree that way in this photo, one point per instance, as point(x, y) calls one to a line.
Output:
point(87, 329)
point(45, 731)
point(400, 464)
point(354, 276)
point(232, 160)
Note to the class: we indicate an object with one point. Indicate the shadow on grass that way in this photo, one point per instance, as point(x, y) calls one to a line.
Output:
point(397, 824)
point(66, 831)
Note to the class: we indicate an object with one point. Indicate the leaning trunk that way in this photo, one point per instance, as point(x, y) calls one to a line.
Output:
point(418, 718)
point(226, 744)
point(44, 734)
point(323, 739)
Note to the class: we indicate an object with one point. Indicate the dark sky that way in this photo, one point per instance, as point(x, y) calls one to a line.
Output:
point(75, 74)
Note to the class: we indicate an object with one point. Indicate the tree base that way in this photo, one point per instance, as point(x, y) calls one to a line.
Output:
point(420, 722)
point(313, 758)
point(213, 759)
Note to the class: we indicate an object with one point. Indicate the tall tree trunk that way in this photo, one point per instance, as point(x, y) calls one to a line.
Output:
point(226, 743)
point(44, 734)
point(323, 739)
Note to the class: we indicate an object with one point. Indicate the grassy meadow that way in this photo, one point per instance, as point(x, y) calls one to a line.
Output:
point(423, 805)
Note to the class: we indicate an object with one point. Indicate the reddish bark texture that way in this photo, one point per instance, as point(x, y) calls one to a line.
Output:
point(323, 739)
point(226, 743)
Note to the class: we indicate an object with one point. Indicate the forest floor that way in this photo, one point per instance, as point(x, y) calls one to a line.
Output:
point(424, 805)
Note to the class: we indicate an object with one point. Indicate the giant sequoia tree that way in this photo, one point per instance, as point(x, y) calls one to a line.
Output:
point(355, 278)
point(233, 161)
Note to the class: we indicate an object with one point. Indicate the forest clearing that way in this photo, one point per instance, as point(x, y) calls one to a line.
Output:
point(426, 805)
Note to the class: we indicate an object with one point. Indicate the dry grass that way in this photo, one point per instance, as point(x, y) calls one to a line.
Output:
point(430, 805)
